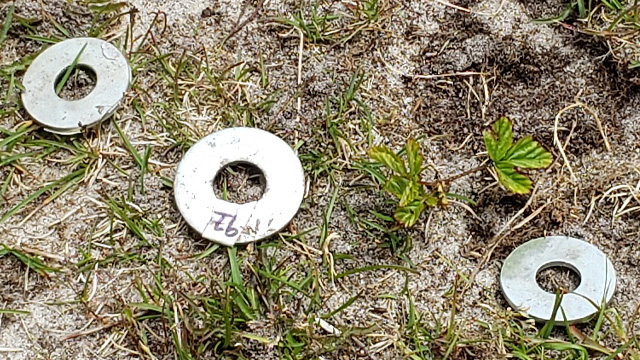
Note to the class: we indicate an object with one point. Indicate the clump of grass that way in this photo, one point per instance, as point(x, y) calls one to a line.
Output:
point(323, 27)
point(316, 28)
point(33, 262)
point(27, 144)
point(615, 22)
point(522, 339)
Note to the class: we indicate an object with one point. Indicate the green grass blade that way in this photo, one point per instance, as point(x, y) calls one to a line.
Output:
point(206, 253)
point(342, 307)
point(582, 10)
point(60, 28)
point(375, 267)
point(236, 277)
point(7, 24)
point(561, 17)
point(14, 312)
point(5, 183)
point(144, 167)
point(32, 262)
point(545, 332)
point(41, 191)
point(324, 233)
point(7, 142)
point(42, 39)
point(614, 355)
point(567, 327)
point(67, 73)
point(284, 281)
point(130, 148)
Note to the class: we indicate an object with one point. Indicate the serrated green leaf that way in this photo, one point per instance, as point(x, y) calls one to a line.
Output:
point(396, 185)
point(414, 157)
point(431, 200)
point(408, 215)
point(390, 159)
point(528, 154)
point(499, 139)
point(490, 144)
point(506, 156)
point(511, 179)
point(409, 194)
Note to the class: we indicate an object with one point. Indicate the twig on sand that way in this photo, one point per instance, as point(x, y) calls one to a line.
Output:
point(556, 139)
point(457, 7)
point(455, 177)
point(258, 8)
point(503, 232)
point(94, 330)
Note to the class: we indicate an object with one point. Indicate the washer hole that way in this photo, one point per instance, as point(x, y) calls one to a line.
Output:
point(558, 277)
point(80, 83)
point(239, 183)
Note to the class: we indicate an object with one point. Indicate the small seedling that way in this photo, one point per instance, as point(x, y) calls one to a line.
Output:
point(507, 157)
point(317, 29)
point(609, 21)
point(404, 182)
point(414, 195)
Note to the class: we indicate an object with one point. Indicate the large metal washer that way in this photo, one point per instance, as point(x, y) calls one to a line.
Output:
point(520, 288)
point(229, 223)
point(57, 115)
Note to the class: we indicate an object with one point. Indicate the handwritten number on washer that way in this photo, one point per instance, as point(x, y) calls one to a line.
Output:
point(229, 231)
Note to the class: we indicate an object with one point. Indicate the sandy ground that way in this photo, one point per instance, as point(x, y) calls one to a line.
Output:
point(501, 64)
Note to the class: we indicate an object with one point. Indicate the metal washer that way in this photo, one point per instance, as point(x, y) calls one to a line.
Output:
point(57, 115)
point(229, 223)
point(520, 288)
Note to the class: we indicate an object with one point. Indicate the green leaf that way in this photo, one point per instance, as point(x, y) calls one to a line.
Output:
point(506, 156)
point(414, 157)
point(390, 159)
point(431, 200)
point(408, 215)
point(396, 185)
point(499, 140)
point(511, 179)
point(409, 194)
point(528, 154)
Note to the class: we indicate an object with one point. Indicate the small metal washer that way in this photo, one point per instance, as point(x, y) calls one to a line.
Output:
point(57, 115)
point(520, 288)
point(229, 223)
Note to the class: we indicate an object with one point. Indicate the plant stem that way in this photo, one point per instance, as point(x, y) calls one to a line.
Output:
point(455, 177)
